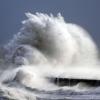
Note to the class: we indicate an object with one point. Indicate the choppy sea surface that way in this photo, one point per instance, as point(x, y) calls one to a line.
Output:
point(34, 94)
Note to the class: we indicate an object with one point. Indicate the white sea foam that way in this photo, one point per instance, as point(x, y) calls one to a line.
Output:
point(48, 46)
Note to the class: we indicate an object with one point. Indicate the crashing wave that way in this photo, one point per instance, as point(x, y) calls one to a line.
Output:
point(58, 41)
point(47, 46)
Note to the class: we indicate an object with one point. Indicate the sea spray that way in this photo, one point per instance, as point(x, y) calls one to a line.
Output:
point(47, 46)
point(60, 42)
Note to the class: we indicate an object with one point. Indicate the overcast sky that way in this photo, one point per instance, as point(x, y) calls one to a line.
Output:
point(82, 12)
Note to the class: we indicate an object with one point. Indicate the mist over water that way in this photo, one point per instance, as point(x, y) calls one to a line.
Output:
point(48, 46)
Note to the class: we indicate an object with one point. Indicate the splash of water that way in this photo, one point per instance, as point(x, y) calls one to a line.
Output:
point(47, 45)
point(55, 39)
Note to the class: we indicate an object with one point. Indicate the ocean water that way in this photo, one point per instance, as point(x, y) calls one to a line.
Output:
point(48, 47)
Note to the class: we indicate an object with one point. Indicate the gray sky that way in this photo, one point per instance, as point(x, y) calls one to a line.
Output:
point(83, 12)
